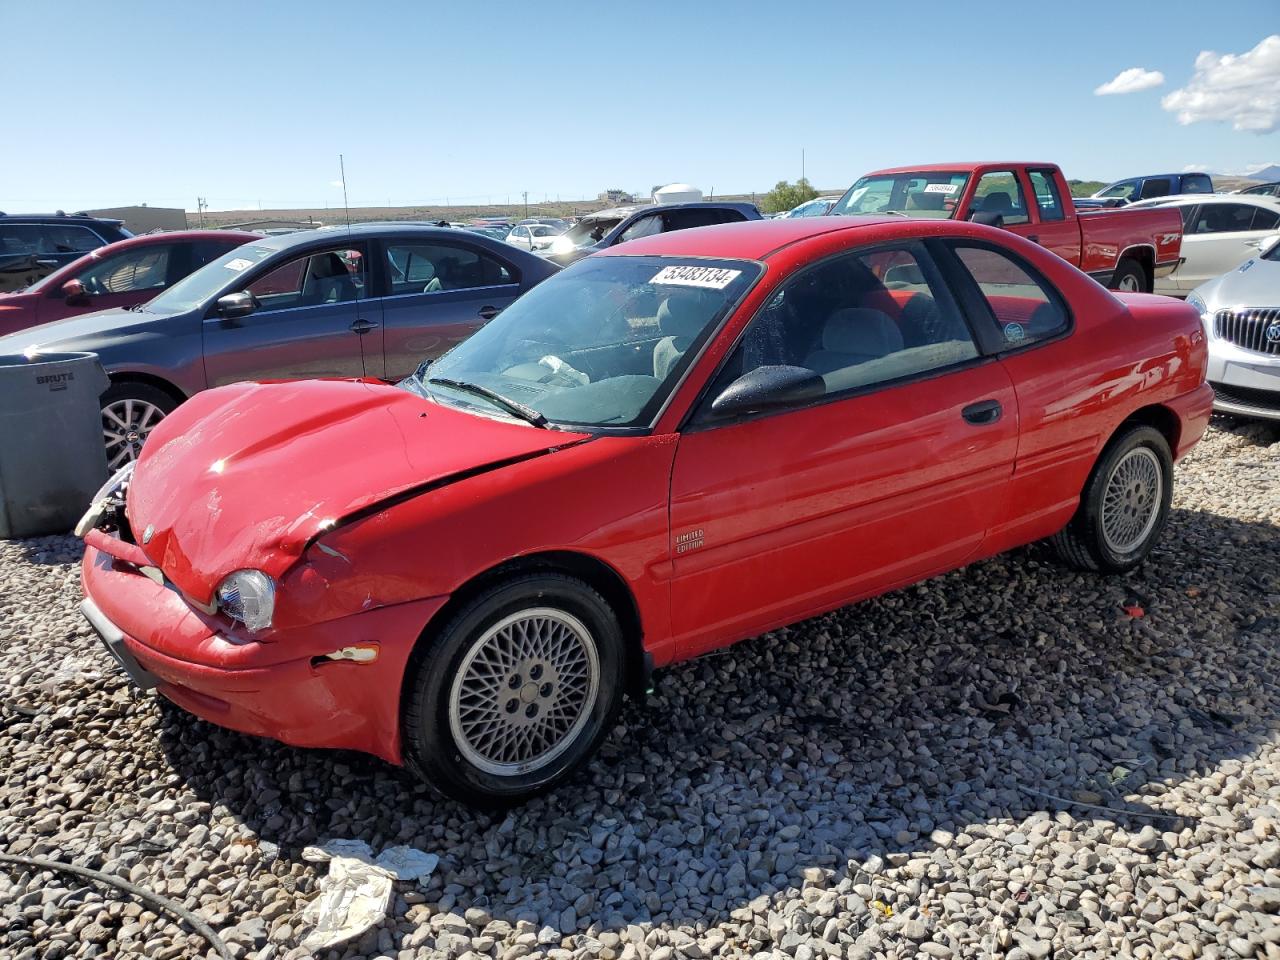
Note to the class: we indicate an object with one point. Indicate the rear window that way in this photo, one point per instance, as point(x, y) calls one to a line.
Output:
point(1197, 183)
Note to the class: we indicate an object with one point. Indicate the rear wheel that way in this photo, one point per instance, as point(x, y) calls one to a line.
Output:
point(515, 692)
point(130, 411)
point(1125, 504)
point(1130, 277)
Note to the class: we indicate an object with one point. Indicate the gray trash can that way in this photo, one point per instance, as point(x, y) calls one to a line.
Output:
point(52, 459)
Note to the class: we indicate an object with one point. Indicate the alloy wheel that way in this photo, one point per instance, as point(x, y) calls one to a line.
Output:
point(1131, 500)
point(524, 691)
point(126, 424)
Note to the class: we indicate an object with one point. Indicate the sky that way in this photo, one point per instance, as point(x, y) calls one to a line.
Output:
point(250, 104)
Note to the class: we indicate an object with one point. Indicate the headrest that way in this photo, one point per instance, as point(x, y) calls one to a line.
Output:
point(997, 202)
point(679, 315)
point(925, 201)
point(327, 266)
point(861, 331)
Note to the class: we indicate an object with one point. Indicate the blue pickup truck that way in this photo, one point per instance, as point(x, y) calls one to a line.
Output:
point(1147, 188)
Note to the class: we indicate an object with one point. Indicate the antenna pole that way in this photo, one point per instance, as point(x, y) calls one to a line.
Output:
point(346, 210)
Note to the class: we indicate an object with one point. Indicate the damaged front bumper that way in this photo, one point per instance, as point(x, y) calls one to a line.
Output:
point(287, 687)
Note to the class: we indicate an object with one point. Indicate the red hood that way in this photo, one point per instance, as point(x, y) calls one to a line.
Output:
point(244, 476)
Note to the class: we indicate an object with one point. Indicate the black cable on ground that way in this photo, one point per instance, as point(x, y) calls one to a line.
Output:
point(146, 896)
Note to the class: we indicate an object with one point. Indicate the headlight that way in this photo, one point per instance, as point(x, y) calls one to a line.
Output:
point(98, 505)
point(248, 596)
point(561, 245)
point(1197, 301)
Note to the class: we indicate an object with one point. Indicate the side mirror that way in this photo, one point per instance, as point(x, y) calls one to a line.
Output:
point(1268, 244)
point(73, 292)
point(767, 388)
point(988, 218)
point(235, 305)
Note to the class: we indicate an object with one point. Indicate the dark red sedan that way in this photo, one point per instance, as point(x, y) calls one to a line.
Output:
point(120, 275)
point(687, 440)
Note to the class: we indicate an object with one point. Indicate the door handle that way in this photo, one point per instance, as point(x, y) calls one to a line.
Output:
point(488, 313)
point(46, 263)
point(363, 326)
point(983, 412)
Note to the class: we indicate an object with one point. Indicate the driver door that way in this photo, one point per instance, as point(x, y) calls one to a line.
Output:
point(313, 315)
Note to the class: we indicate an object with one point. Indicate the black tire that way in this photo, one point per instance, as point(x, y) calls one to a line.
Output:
point(432, 751)
point(1083, 543)
point(1130, 272)
point(116, 397)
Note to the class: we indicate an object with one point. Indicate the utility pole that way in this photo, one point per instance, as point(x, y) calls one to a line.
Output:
point(526, 204)
point(201, 205)
point(802, 163)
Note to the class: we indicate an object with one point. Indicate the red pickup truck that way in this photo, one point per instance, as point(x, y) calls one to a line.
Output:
point(1123, 249)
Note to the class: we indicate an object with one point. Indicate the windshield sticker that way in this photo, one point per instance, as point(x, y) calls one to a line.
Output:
point(238, 264)
point(713, 278)
point(947, 188)
point(856, 195)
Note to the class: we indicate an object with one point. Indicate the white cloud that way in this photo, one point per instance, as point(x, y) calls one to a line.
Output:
point(1255, 167)
point(1195, 168)
point(1131, 81)
point(1241, 88)
point(335, 183)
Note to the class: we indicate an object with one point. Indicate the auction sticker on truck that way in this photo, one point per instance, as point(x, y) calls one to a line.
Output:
point(238, 264)
point(947, 188)
point(713, 278)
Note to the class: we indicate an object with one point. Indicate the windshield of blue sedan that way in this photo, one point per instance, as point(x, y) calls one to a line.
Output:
point(601, 344)
point(196, 288)
point(929, 194)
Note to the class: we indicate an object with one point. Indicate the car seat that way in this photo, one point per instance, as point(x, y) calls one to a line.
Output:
point(680, 320)
point(855, 335)
point(328, 281)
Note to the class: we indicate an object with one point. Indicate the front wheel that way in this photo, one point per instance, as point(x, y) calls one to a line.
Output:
point(130, 411)
point(515, 692)
point(1130, 277)
point(1125, 504)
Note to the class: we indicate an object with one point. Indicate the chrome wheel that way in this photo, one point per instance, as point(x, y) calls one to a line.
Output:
point(524, 691)
point(1129, 284)
point(125, 426)
point(1131, 500)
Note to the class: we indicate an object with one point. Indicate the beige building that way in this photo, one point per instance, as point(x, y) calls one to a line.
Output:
point(144, 219)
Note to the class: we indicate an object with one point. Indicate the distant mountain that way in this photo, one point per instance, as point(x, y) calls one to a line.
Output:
point(1267, 174)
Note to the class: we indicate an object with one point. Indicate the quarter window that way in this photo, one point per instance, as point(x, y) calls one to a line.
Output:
point(313, 280)
point(1264, 219)
point(859, 320)
point(1047, 197)
point(438, 267)
point(1026, 308)
point(1000, 192)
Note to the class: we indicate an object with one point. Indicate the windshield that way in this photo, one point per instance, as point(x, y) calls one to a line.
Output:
point(924, 194)
point(196, 288)
point(1127, 190)
point(600, 344)
point(586, 232)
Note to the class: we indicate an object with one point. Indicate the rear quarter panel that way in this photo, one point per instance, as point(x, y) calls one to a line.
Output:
point(1106, 234)
point(1075, 392)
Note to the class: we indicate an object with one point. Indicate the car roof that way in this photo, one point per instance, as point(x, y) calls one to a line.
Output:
point(58, 217)
point(357, 231)
point(962, 166)
point(624, 212)
point(146, 239)
point(1183, 199)
point(749, 240)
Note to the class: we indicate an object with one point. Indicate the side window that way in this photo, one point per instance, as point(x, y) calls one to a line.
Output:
point(17, 239)
point(1026, 308)
point(67, 238)
point(1264, 219)
point(1047, 197)
point(313, 280)
point(1125, 189)
point(1000, 192)
point(1188, 212)
point(202, 251)
point(142, 269)
point(687, 219)
point(1155, 187)
point(859, 320)
point(437, 267)
point(1223, 218)
point(644, 227)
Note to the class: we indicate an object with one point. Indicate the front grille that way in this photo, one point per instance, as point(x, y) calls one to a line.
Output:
point(1244, 397)
point(1253, 329)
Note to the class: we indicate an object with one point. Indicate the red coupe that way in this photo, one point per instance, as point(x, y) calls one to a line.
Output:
point(687, 440)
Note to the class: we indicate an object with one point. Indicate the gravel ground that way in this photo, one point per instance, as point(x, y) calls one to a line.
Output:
point(907, 777)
